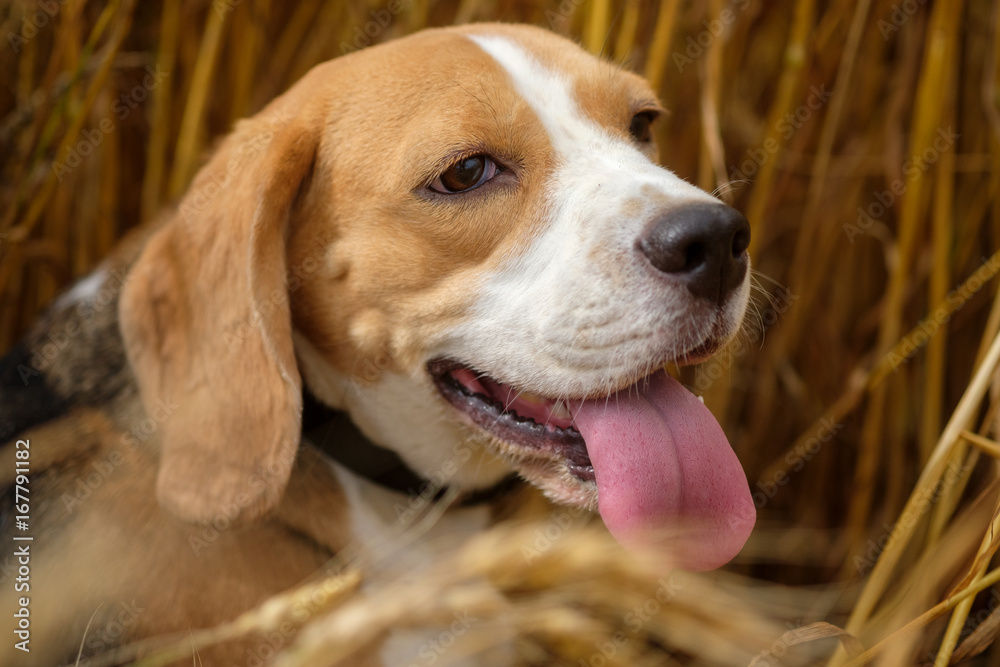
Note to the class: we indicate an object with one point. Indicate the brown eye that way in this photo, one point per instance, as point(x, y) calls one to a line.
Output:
point(466, 174)
point(639, 127)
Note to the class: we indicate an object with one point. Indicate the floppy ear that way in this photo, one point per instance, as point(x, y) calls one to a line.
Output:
point(206, 322)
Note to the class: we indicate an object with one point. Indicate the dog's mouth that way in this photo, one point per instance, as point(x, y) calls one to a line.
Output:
point(514, 416)
point(664, 471)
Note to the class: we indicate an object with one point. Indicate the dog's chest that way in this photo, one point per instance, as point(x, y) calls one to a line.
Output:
point(398, 544)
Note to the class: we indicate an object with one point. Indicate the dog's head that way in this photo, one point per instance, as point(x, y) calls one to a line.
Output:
point(461, 238)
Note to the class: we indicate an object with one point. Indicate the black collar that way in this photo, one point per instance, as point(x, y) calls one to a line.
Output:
point(333, 432)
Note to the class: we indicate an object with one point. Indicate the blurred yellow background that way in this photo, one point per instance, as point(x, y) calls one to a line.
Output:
point(860, 137)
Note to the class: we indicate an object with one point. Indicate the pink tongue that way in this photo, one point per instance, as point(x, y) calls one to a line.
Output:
point(666, 475)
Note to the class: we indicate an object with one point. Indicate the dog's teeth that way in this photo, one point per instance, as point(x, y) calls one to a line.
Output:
point(560, 410)
point(700, 398)
point(531, 398)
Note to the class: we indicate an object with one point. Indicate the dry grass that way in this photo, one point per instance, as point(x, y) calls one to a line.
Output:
point(867, 416)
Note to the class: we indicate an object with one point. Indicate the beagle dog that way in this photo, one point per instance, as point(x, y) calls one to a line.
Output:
point(452, 254)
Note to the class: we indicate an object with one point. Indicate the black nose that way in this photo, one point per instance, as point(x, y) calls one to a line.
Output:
point(704, 245)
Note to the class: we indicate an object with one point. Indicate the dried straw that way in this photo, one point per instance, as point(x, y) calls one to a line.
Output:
point(862, 396)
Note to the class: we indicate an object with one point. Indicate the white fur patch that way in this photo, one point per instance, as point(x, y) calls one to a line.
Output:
point(382, 525)
point(85, 289)
point(582, 308)
point(406, 414)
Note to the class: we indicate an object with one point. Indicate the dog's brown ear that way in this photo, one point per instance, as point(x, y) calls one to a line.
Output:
point(206, 322)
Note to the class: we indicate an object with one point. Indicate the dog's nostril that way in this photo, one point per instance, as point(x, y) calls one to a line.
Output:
point(741, 241)
point(694, 255)
point(702, 245)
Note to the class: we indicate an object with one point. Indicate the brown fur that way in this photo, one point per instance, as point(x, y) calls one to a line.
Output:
point(102, 545)
point(307, 219)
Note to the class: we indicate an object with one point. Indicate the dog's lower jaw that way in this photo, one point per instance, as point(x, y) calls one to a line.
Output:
point(558, 484)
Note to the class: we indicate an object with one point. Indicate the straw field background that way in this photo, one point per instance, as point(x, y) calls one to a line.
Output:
point(862, 140)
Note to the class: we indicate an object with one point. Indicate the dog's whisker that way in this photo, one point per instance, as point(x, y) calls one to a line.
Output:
point(727, 187)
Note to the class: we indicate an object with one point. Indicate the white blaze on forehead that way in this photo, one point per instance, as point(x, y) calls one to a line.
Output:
point(598, 170)
point(575, 137)
point(546, 92)
point(596, 167)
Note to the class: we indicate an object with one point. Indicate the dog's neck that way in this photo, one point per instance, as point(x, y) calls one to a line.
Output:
point(333, 432)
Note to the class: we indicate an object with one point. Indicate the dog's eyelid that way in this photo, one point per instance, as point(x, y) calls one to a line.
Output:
point(491, 168)
point(639, 126)
point(646, 103)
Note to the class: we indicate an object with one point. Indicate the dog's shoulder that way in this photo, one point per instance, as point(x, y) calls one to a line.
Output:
point(73, 355)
